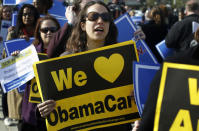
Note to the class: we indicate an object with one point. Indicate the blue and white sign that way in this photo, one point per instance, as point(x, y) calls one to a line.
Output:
point(16, 44)
point(14, 19)
point(61, 21)
point(143, 75)
point(15, 2)
point(126, 29)
point(58, 8)
point(163, 50)
point(16, 71)
point(137, 19)
point(22, 88)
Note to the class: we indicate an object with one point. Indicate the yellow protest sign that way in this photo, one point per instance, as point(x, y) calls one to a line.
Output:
point(91, 89)
point(34, 96)
point(178, 104)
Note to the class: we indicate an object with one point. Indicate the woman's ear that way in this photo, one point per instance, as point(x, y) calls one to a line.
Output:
point(83, 26)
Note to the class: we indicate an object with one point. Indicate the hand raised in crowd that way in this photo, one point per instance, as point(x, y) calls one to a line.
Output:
point(46, 107)
point(139, 35)
point(136, 125)
point(24, 37)
point(15, 53)
point(11, 28)
point(70, 14)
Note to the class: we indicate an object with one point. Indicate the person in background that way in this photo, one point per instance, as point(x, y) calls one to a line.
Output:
point(117, 8)
point(26, 22)
point(182, 30)
point(189, 56)
point(25, 27)
point(155, 30)
point(43, 6)
point(57, 44)
point(5, 14)
point(45, 28)
point(94, 29)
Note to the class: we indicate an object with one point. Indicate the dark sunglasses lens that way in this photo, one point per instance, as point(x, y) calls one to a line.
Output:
point(51, 29)
point(106, 17)
point(93, 16)
point(28, 14)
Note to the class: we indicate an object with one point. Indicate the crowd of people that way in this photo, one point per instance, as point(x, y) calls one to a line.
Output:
point(91, 25)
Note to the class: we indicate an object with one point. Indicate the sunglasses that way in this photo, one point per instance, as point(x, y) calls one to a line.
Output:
point(28, 14)
point(46, 29)
point(93, 16)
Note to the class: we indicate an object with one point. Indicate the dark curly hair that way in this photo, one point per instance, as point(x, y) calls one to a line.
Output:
point(20, 23)
point(78, 39)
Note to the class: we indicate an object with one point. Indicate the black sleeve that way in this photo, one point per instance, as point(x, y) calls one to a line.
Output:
point(58, 42)
point(172, 38)
point(147, 119)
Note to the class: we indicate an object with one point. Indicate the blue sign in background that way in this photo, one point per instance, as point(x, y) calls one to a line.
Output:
point(163, 50)
point(126, 29)
point(143, 75)
point(58, 8)
point(16, 44)
point(14, 2)
point(137, 19)
point(9, 2)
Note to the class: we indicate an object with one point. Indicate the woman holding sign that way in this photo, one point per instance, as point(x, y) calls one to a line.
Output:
point(95, 28)
point(45, 28)
point(25, 27)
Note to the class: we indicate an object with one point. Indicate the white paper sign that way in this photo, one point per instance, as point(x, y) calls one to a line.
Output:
point(195, 26)
point(16, 71)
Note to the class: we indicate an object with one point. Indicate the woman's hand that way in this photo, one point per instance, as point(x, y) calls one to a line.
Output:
point(11, 28)
point(139, 34)
point(70, 15)
point(46, 107)
point(24, 37)
point(136, 125)
point(15, 53)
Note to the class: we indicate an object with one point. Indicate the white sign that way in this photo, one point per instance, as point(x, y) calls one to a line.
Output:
point(195, 26)
point(17, 70)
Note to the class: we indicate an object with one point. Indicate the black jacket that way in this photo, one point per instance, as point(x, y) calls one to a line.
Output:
point(180, 34)
point(190, 56)
point(154, 34)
